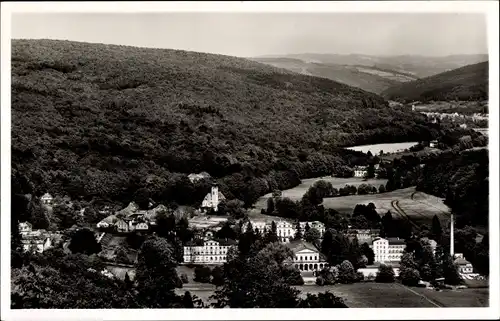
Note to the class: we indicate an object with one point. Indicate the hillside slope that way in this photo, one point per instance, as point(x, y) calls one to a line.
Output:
point(371, 79)
point(95, 120)
point(418, 66)
point(466, 83)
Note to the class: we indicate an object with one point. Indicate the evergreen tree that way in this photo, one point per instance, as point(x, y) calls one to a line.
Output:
point(271, 236)
point(326, 243)
point(298, 232)
point(368, 252)
point(127, 280)
point(187, 300)
point(388, 224)
point(270, 206)
point(436, 229)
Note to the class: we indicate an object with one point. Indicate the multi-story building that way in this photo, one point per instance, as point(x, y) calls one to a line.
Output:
point(464, 266)
point(388, 250)
point(211, 252)
point(212, 200)
point(306, 256)
point(46, 199)
point(314, 224)
point(284, 229)
point(34, 240)
point(363, 235)
point(360, 171)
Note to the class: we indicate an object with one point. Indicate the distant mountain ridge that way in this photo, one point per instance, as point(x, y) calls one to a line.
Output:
point(465, 83)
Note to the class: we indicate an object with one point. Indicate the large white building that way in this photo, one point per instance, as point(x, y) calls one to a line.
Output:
point(306, 256)
point(314, 224)
point(211, 252)
point(388, 250)
point(212, 200)
point(360, 171)
point(284, 229)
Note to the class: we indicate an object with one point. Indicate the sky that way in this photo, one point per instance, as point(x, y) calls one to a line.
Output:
point(256, 34)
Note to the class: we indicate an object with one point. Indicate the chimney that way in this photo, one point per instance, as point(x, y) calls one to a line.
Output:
point(452, 240)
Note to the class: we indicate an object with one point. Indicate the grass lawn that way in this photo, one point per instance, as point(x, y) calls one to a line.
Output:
point(298, 191)
point(465, 298)
point(373, 295)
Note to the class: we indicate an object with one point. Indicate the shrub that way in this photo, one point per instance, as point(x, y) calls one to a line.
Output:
point(409, 276)
point(293, 276)
point(385, 274)
point(202, 274)
point(320, 281)
point(346, 272)
point(184, 278)
point(218, 276)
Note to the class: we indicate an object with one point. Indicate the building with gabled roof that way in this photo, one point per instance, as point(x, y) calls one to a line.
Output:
point(464, 266)
point(46, 199)
point(212, 200)
point(306, 256)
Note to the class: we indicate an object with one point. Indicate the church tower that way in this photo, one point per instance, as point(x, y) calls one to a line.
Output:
point(215, 197)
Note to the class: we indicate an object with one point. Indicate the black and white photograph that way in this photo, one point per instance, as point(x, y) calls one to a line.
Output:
point(210, 157)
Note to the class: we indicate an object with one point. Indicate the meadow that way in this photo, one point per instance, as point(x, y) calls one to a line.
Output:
point(386, 148)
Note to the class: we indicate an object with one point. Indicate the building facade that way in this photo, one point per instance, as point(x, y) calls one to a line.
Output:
point(360, 171)
point(212, 200)
point(46, 199)
point(307, 257)
point(464, 266)
point(211, 252)
point(388, 250)
point(34, 240)
point(314, 224)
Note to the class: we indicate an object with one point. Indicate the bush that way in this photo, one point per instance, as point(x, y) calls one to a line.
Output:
point(202, 274)
point(320, 281)
point(293, 276)
point(329, 276)
point(346, 272)
point(385, 274)
point(409, 276)
point(218, 276)
point(184, 278)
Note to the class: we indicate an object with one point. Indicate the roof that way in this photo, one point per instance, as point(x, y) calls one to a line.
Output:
point(461, 261)
point(300, 245)
point(46, 195)
point(396, 241)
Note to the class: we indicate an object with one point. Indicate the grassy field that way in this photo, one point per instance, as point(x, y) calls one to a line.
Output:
point(378, 295)
point(420, 207)
point(298, 191)
point(386, 148)
point(470, 298)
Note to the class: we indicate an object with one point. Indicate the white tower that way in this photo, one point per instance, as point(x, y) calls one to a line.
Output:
point(215, 197)
point(452, 240)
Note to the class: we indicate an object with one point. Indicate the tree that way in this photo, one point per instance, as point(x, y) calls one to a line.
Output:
point(84, 241)
point(142, 197)
point(298, 232)
point(257, 282)
point(409, 276)
point(184, 278)
point(165, 224)
point(121, 255)
point(218, 276)
point(312, 235)
point(388, 224)
point(271, 236)
point(127, 281)
point(385, 274)
point(322, 300)
point(202, 274)
point(187, 300)
point(326, 243)
point(226, 232)
point(156, 274)
point(270, 206)
point(436, 229)
point(292, 276)
point(448, 268)
point(346, 272)
point(368, 252)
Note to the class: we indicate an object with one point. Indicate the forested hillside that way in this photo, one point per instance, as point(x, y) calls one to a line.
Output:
point(94, 120)
point(466, 83)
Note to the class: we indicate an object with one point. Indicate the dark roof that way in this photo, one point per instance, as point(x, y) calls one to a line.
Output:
point(300, 245)
point(461, 261)
point(396, 241)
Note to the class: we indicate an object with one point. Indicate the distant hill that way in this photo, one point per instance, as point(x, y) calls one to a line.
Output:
point(418, 66)
point(95, 120)
point(372, 79)
point(465, 83)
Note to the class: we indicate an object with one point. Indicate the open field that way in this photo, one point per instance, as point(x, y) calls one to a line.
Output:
point(207, 221)
point(298, 191)
point(386, 148)
point(378, 295)
point(424, 152)
point(471, 298)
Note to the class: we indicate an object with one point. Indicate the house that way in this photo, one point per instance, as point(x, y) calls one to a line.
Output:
point(433, 144)
point(284, 229)
point(370, 271)
point(363, 235)
point(360, 171)
point(388, 250)
point(46, 199)
point(122, 226)
point(196, 177)
point(306, 256)
point(142, 226)
point(34, 240)
point(314, 224)
point(464, 266)
point(212, 199)
point(211, 252)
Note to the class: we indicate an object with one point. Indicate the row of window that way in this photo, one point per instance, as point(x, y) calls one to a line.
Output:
point(304, 258)
point(211, 258)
